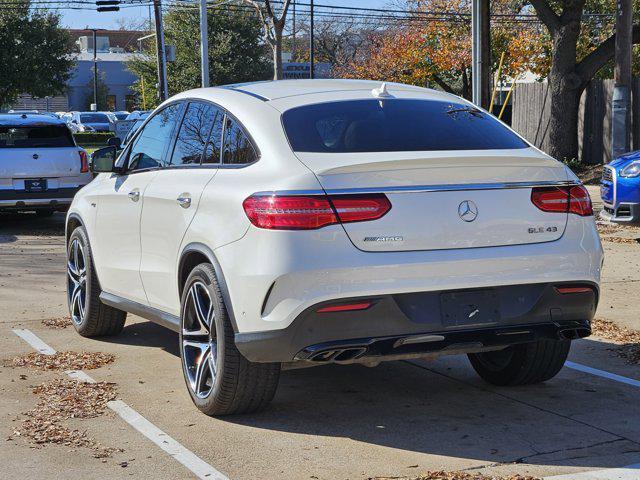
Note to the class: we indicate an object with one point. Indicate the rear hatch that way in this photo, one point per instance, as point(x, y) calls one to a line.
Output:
point(45, 151)
point(456, 177)
point(447, 200)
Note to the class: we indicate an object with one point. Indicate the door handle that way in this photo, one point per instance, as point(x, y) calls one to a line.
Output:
point(184, 200)
point(134, 195)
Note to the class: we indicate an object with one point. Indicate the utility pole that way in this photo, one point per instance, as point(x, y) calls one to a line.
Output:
point(95, 68)
point(163, 91)
point(621, 111)
point(481, 53)
point(311, 43)
point(293, 46)
point(204, 44)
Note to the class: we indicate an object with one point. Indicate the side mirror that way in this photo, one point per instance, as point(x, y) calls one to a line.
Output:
point(103, 160)
point(114, 142)
point(74, 121)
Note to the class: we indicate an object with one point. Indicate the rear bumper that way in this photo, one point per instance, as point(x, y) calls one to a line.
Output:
point(411, 325)
point(54, 198)
point(623, 213)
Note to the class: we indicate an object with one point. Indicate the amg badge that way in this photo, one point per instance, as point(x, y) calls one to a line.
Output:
point(384, 239)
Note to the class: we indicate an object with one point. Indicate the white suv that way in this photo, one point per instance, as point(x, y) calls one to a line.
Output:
point(41, 167)
point(300, 223)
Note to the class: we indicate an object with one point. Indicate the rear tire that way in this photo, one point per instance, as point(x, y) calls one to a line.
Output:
point(225, 383)
point(522, 364)
point(89, 316)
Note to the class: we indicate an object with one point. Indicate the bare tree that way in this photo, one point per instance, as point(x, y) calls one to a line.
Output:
point(272, 28)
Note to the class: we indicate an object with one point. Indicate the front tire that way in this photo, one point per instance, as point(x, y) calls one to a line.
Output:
point(522, 364)
point(89, 316)
point(219, 379)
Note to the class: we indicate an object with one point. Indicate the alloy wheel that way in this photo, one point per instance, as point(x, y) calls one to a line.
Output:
point(199, 341)
point(77, 281)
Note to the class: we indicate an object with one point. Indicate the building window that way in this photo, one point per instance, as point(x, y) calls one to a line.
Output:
point(131, 103)
point(111, 103)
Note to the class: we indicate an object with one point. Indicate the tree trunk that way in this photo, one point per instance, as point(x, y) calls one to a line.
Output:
point(277, 55)
point(563, 122)
point(566, 87)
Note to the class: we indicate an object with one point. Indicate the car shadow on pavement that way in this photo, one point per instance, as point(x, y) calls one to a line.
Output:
point(146, 334)
point(442, 408)
point(13, 225)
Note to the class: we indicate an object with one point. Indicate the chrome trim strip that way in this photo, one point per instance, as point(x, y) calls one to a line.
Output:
point(36, 201)
point(423, 188)
point(451, 187)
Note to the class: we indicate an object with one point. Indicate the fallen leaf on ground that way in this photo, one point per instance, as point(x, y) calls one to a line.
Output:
point(63, 360)
point(442, 475)
point(61, 400)
point(627, 340)
point(57, 323)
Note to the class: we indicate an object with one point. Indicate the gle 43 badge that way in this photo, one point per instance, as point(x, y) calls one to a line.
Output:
point(543, 229)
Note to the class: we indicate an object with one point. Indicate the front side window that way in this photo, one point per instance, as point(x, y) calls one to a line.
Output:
point(238, 149)
point(194, 134)
point(150, 146)
point(35, 137)
point(394, 125)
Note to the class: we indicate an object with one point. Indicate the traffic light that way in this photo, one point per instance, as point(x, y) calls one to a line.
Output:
point(108, 5)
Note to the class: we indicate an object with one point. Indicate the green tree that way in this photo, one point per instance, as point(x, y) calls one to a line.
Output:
point(103, 92)
point(35, 53)
point(235, 52)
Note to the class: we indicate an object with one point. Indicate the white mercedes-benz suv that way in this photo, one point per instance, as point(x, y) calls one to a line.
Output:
point(299, 223)
point(41, 167)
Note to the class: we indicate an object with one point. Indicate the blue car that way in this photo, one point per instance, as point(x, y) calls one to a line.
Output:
point(620, 189)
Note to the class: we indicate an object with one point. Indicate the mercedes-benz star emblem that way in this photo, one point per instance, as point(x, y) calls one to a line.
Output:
point(468, 211)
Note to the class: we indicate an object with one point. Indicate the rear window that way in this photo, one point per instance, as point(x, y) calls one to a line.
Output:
point(94, 118)
point(35, 137)
point(394, 125)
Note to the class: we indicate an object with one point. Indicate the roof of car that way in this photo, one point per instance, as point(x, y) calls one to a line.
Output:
point(274, 89)
point(29, 119)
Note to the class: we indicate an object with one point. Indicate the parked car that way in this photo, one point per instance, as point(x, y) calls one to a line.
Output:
point(121, 115)
point(620, 189)
point(308, 222)
point(41, 167)
point(91, 121)
point(134, 128)
point(138, 114)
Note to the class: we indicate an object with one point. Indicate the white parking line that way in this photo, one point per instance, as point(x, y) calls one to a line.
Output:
point(602, 373)
point(629, 472)
point(186, 457)
point(37, 344)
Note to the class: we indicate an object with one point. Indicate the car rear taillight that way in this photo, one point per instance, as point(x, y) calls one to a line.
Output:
point(580, 201)
point(84, 161)
point(573, 199)
point(360, 208)
point(309, 212)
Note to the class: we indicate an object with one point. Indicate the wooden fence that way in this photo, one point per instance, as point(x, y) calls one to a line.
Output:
point(530, 118)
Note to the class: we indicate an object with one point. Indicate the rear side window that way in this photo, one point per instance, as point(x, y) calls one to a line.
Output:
point(194, 134)
point(238, 149)
point(36, 137)
point(394, 125)
point(150, 145)
point(94, 118)
point(214, 145)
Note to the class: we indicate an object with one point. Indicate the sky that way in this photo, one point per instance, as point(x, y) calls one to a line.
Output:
point(133, 15)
